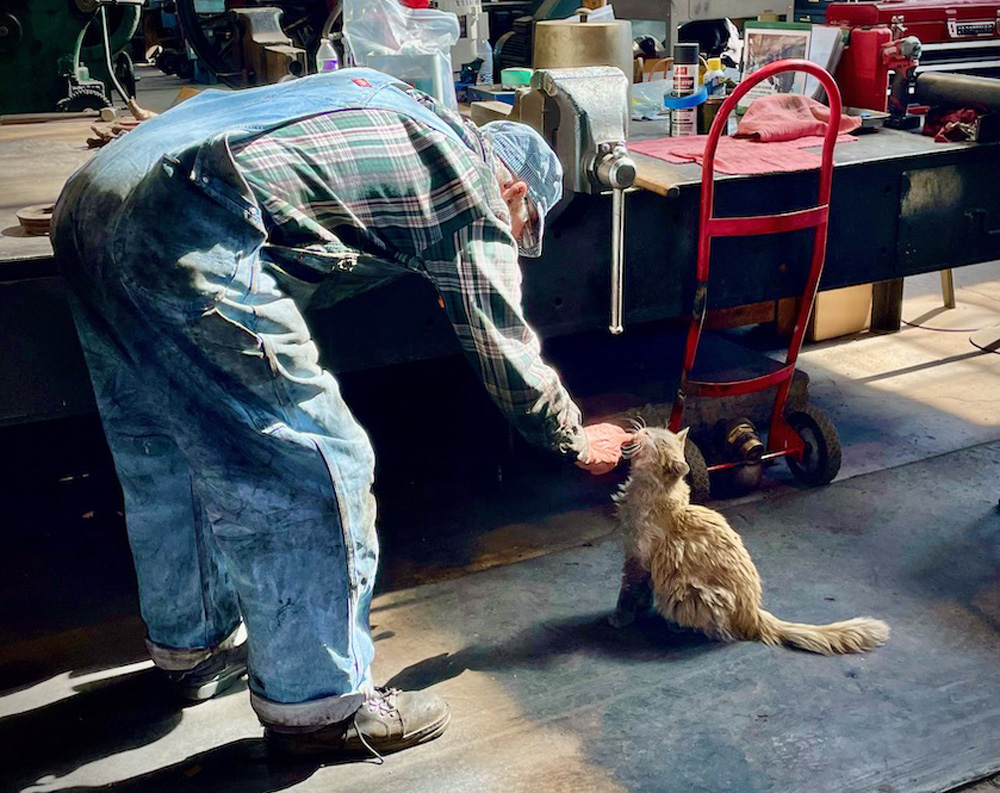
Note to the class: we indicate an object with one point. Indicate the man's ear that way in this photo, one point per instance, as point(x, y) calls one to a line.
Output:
point(514, 190)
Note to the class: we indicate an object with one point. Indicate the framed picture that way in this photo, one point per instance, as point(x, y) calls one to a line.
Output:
point(767, 42)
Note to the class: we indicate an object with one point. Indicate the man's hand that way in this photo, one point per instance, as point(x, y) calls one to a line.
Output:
point(605, 442)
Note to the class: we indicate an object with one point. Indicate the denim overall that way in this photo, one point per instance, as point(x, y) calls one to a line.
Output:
point(247, 481)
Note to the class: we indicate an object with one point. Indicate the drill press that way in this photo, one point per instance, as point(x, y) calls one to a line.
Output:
point(43, 59)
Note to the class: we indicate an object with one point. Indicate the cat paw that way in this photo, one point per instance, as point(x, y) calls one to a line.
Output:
point(621, 619)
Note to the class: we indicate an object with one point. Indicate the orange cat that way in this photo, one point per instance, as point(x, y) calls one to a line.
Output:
point(696, 566)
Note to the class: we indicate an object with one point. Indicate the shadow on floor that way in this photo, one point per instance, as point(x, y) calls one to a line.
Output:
point(545, 645)
point(73, 652)
point(103, 718)
point(240, 766)
point(965, 567)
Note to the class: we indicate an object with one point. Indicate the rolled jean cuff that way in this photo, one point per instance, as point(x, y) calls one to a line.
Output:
point(306, 716)
point(171, 659)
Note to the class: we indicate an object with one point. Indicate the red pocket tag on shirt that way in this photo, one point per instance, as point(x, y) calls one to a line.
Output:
point(361, 81)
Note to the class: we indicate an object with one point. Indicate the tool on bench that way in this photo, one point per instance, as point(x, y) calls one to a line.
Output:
point(910, 85)
point(941, 89)
point(961, 36)
point(45, 63)
point(583, 112)
point(929, 53)
point(902, 56)
point(804, 437)
point(265, 53)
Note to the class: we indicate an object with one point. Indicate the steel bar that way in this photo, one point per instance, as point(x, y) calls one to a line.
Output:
point(617, 261)
point(958, 89)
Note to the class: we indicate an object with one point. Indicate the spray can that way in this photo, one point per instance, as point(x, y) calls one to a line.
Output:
point(684, 122)
point(715, 79)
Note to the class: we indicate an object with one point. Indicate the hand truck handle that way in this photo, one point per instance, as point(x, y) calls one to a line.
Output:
point(722, 118)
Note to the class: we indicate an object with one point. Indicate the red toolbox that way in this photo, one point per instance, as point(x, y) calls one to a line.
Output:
point(931, 21)
point(957, 36)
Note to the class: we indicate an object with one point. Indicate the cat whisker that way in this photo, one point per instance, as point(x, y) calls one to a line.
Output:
point(629, 450)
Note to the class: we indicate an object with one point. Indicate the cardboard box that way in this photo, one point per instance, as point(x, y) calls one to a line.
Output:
point(482, 112)
point(841, 312)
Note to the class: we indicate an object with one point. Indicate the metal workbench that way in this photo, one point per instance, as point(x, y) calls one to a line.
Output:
point(902, 204)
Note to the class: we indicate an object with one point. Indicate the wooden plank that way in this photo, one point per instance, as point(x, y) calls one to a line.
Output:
point(657, 176)
point(35, 162)
point(37, 118)
point(740, 316)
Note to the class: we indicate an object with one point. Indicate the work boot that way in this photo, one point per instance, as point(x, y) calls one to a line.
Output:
point(212, 676)
point(389, 721)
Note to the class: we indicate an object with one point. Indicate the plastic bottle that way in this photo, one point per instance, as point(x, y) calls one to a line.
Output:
point(684, 122)
point(485, 51)
point(715, 79)
point(326, 57)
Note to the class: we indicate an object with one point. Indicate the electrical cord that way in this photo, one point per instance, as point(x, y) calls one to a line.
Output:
point(107, 56)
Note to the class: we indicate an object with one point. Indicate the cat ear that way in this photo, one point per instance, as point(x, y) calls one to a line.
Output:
point(678, 468)
point(682, 435)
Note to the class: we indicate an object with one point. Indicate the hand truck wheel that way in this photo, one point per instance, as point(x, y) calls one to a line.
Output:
point(820, 461)
point(697, 478)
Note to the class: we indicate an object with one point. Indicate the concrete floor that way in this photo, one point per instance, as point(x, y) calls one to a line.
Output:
point(72, 645)
point(72, 664)
point(158, 91)
point(922, 392)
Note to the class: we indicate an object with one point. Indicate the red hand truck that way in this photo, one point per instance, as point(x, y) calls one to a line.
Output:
point(805, 437)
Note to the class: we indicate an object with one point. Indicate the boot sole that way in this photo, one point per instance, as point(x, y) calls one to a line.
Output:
point(355, 749)
point(210, 688)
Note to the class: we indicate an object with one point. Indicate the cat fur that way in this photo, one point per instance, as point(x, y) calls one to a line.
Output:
point(696, 565)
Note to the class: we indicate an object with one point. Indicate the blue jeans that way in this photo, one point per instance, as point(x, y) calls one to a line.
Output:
point(247, 481)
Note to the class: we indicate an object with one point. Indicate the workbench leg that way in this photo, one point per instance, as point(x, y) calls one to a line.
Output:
point(948, 288)
point(887, 306)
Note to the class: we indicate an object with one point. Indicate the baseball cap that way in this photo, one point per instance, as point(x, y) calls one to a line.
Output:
point(530, 159)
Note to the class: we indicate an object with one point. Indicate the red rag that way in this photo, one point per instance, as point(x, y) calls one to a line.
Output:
point(738, 155)
point(789, 116)
point(953, 124)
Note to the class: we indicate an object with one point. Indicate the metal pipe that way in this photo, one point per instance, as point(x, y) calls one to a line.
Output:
point(107, 55)
point(948, 288)
point(958, 89)
point(617, 260)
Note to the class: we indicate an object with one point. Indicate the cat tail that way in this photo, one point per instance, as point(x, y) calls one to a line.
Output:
point(848, 636)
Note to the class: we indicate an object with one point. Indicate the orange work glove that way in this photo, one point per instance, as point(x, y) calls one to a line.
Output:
point(605, 442)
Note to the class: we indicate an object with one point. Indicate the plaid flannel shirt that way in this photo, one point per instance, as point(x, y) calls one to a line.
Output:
point(378, 184)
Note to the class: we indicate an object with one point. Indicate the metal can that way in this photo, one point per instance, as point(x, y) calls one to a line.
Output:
point(684, 122)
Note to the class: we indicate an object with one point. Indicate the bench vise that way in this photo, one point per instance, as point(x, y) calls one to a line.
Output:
point(583, 114)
